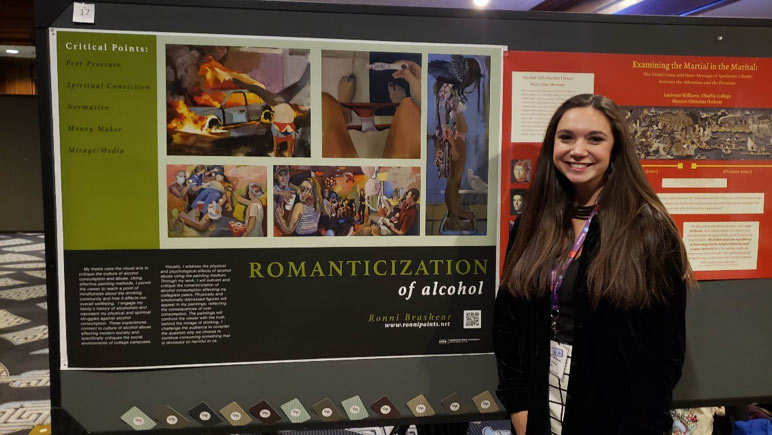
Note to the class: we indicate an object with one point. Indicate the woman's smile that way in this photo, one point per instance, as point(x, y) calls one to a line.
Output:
point(582, 150)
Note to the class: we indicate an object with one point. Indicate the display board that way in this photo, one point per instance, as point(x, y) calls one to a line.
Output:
point(702, 128)
point(295, 383)
point(254, 178)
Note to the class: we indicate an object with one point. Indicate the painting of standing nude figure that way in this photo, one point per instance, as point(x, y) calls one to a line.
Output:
point(371, 104)
point(216, 200)
point(457, 158)
point(346, 201)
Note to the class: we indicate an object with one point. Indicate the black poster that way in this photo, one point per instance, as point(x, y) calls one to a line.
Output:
point(180, 307)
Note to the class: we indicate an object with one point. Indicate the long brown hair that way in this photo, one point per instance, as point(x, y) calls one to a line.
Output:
point(316, 193)
point(633, 265)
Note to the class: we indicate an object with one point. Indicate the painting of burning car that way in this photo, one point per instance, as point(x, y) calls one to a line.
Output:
point(238, 101)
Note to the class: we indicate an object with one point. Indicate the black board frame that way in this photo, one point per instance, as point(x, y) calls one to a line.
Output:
point(728, 322)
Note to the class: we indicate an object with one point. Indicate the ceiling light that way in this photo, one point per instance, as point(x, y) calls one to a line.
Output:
point(12, 51)
point(616, 6)
point(481, 3)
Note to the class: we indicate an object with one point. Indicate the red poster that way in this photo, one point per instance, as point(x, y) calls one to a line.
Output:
point(703, 132)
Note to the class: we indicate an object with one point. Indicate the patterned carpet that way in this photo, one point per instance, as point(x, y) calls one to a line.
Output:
point(24, 375)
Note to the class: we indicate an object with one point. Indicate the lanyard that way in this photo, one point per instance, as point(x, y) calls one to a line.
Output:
point(559, 271)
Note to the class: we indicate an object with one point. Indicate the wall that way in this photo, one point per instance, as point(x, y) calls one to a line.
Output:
point(20, 163)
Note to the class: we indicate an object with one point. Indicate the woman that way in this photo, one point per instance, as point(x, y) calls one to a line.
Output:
point(610, 310)
point(179, 189)
point(177, 198)
point(253, 215)
point(303, 220)
point(521, 171)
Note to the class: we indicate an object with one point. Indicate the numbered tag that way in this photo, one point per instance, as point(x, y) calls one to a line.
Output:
point(558, 359)
point(354, 408)
point(235, 414)
point(265, 413)
point(485, 402)
point(295, 411)
point(83, 13)
point(327, 410)
point(137, 419)
point(204, 415)
point(385, 408)
point(453, 403)
point(169, 417)
point(420, 407)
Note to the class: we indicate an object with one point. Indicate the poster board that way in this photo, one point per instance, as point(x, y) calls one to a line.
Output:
point(701, 127)
point(230, 228)
point(307, 237)
point(82, 398)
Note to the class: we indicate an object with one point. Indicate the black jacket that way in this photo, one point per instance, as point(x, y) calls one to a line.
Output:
point(624, 366)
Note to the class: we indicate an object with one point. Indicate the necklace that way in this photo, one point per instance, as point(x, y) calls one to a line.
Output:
point(582, 212)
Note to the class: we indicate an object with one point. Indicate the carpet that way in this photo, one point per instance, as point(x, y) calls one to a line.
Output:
point(24, 375)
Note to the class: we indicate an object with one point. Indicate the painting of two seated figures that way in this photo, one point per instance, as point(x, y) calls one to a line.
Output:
point(346, 201)
point(216, 201)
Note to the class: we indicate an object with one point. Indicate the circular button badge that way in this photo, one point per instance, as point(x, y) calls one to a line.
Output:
point(326, 412)
point(138, 421)
point(171, 419)
point(204, 416)
point(455, 406)
point(385, 409)
point(485, 404)
point(355, 409)
point(420, 408)
point(265, 413)
point(235, 416)
point(295, 412)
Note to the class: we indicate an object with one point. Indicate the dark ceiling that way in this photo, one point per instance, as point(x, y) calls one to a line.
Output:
point(17, 23)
